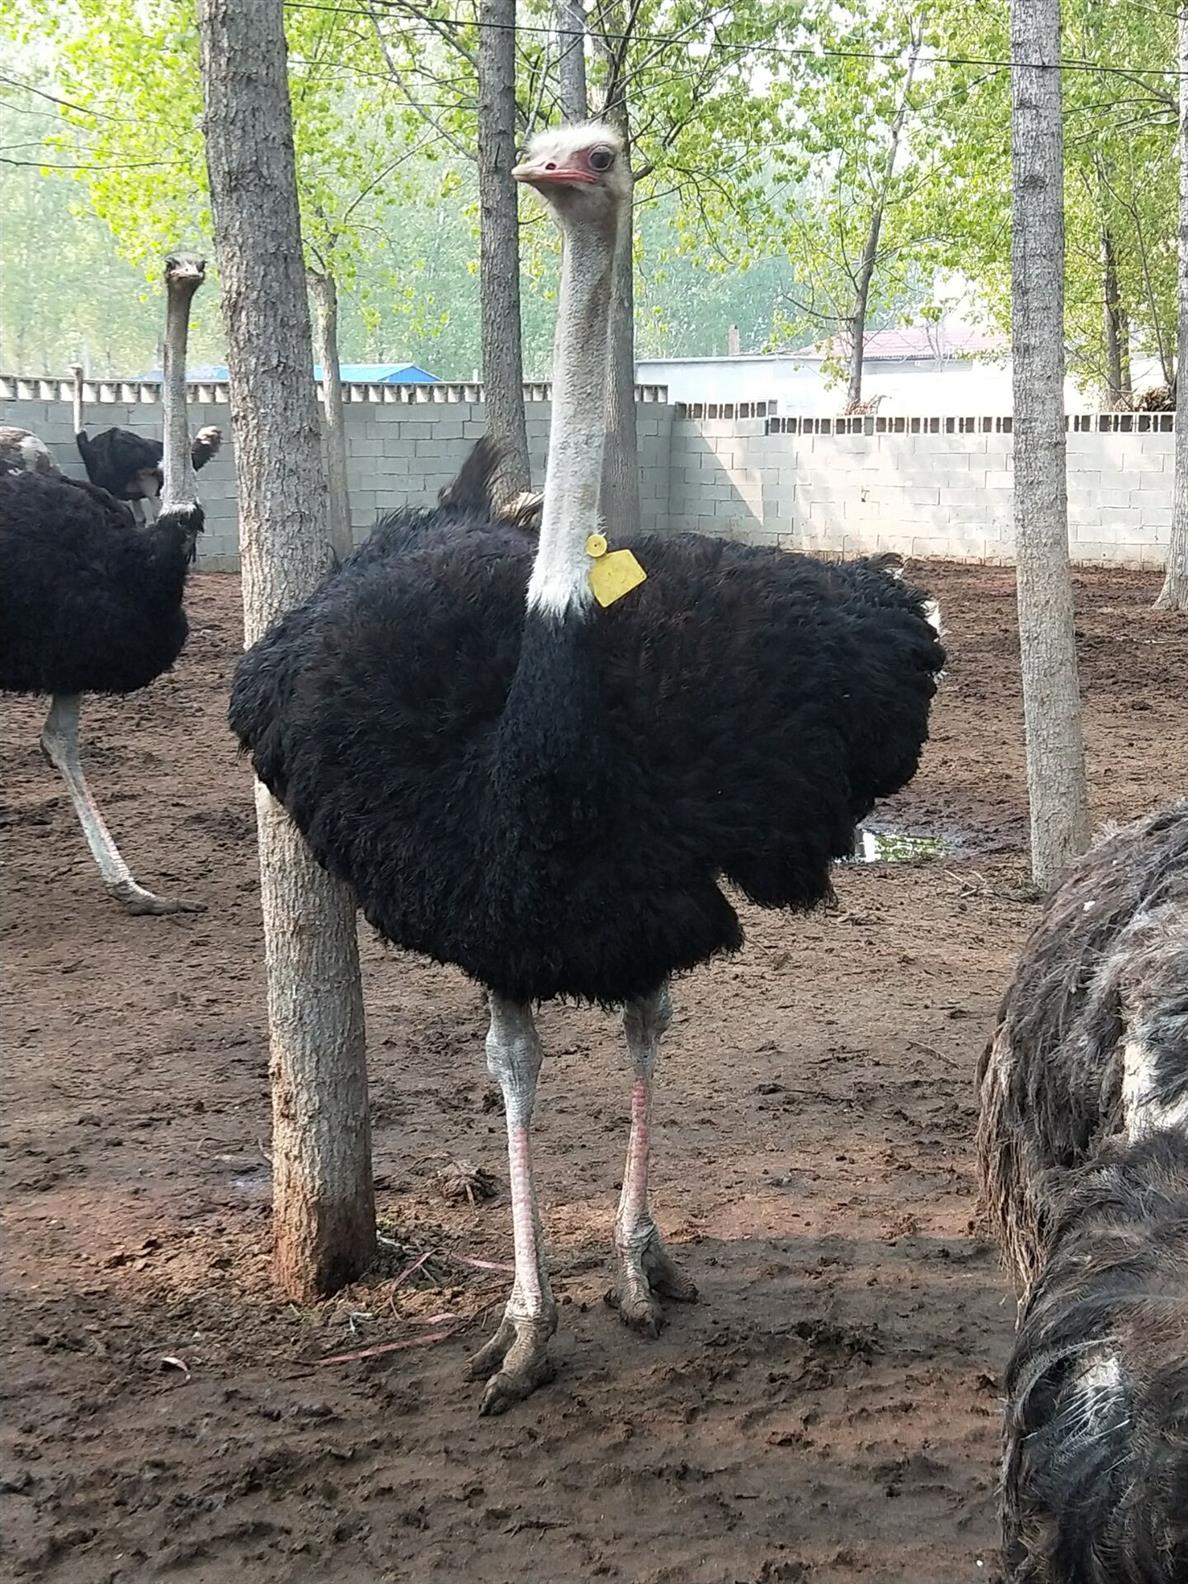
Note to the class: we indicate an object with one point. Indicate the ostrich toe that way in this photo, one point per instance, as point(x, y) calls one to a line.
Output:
point(136, 900)
point(648, 1273)
point(514, 1362)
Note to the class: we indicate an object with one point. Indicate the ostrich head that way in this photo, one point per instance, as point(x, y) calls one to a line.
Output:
point(184, 273)
point(581, 172)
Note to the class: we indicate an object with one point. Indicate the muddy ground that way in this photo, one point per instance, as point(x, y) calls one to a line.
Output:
point(827, 1413)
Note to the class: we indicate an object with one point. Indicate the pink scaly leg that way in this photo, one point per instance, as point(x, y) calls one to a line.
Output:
point(515, 1361)
point(647, 1272)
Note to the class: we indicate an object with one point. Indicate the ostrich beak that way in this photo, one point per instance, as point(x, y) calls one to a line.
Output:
point(545, 173)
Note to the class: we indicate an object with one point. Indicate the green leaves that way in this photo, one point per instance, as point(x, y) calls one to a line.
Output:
point(1120, 168)
point(762, 138)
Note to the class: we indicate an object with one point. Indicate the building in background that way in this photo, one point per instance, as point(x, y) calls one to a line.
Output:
point(919, 370)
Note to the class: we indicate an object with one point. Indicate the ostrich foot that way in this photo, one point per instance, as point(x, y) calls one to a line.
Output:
point(136, 900)
point(515, 1361)
point(647, 1274)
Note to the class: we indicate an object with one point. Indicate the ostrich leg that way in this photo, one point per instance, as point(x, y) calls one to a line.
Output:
point(647, 1271)
point(59, 743)
point(515, 1361)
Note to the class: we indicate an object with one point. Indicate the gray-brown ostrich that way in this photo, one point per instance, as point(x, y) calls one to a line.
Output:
point(21, 451)
point(89, 602)
point(1083, 1144)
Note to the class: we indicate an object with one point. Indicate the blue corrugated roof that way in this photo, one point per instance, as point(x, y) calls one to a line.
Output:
point(383, 374)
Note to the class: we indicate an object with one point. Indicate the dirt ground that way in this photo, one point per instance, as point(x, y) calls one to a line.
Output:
point(828, 1412)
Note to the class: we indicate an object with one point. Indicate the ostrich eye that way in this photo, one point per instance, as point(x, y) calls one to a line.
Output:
point(601, 159)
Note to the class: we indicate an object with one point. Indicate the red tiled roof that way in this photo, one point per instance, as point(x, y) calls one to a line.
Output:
point(917, 341)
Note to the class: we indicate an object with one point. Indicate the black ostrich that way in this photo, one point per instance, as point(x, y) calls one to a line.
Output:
point(1084, 1154)
point(89, 602)
point(128, 465)
point(548, 792)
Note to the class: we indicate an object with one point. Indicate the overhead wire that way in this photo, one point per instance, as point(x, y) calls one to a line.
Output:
point(772, 47)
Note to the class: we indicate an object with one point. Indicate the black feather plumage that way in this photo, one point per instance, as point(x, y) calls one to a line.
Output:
point(552, 806)
point(118, 459)
point(88, 601)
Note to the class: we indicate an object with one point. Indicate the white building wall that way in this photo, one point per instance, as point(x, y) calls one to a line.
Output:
point(955, 386)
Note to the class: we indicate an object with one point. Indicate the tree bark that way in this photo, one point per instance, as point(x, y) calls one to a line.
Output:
point(857, 324)
point(1051, 692)
point(324, 292)
point(569, 24)
point(619, 499)
point(1174, 593)
point(323, 1202)
point(1116, 328)
point(499, 243)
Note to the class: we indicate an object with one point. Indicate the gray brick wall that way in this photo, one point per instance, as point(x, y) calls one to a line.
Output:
point(398, 454)
point(844, 488)
point(934, 487)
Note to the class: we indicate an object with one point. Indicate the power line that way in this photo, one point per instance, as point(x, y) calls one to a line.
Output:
point(800, 52)
point(65, 104)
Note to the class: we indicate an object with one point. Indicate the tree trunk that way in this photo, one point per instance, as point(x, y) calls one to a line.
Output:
point(569, 24)
point(858, 319)
point(1117, 329)
point(324, 293)
point(323, 1203)
point(499, 242)
point(1051, 694)
point(1174, 593)
point(619, 498)
point(870, 249)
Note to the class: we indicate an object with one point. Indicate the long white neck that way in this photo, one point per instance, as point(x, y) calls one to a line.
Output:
point(180, 487)
point(559, 581)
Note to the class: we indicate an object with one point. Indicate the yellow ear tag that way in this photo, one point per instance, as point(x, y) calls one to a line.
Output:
point(596, 545)
point(614, 575)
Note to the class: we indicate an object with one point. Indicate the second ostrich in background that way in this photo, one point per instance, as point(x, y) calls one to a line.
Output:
point(128, 465)
point(1084, 1154)
point(546, 788)
point(89, 602)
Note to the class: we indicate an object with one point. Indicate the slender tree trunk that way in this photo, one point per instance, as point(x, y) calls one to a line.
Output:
point(499, 242)
point(858, 318)
point(569, 24)
point(1174, 593)
point(619, 499)
point(324, 293)
point(323, 1204)
point(1116, 328)
point(870, 249)
point(1051, 694)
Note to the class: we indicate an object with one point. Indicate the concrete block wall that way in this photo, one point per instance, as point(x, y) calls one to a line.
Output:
point(923, 487)
point(52, 420)
point(399, 453)
point(838, 486)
